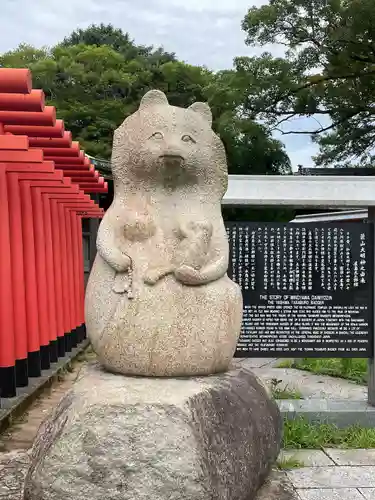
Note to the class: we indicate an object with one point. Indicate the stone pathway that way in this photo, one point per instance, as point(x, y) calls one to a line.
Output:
point(311, 386)
point(333, 474)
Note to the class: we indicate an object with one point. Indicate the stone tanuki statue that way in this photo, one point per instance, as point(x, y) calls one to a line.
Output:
point(159, 304)
point(159, 301)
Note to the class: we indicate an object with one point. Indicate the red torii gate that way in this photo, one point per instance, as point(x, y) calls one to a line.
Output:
point(45, 181)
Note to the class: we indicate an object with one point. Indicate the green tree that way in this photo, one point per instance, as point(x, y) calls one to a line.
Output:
point(327, 73)
point(106, 34)
point(96, 77)
point(94, 87)
point(90, 87)
point(250, 147)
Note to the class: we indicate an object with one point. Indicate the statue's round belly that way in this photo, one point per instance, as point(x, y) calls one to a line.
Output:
point(167, 330)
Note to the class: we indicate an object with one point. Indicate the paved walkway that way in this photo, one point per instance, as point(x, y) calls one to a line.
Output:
point(311, 386)
point(333, 474)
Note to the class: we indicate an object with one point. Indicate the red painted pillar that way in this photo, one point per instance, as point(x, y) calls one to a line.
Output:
point(91, 210)
point(31, 277)
point(60, 306)
point(40, 267)
point(65, 277)
point(24, 282)
point(7, 347)
point(40, 237)
point(18, 280)
point(58, 265)
point(23, 277)
point(44, 262)
point(74, 275)
point(50, 274)
point(67, 249)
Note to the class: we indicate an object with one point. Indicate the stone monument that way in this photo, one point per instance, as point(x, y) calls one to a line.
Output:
point(163, 414)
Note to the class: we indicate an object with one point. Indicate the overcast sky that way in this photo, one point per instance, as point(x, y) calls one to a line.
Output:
point(203, 32)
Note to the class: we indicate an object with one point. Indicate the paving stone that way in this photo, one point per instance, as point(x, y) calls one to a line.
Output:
point(311, 385)
point(308, 458)
point(330, 494)
point(259, 362)
point(368, 493)
point(352, 457)
point(333, 477)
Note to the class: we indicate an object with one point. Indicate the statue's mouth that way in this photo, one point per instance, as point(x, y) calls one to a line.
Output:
point(171, 160)
point(173, 171)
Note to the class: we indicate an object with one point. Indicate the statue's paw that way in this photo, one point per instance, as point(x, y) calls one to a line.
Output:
point(155, 274)
point(151, 276)
point(187, 275)
point(121, 265)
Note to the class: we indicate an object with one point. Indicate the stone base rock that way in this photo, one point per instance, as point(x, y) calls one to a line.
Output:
point(277, 487)
point(127, 438)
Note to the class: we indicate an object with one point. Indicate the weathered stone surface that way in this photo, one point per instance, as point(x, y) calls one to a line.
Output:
point(277, 487)
point(125, 438)
point(333, 477)
point(158, 300)
point(308, 458)
point(367, 493)
point(331, 494)
point(13, 467)
point(352, 457)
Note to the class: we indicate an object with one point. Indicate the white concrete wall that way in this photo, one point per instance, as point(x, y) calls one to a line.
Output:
point(300, 191)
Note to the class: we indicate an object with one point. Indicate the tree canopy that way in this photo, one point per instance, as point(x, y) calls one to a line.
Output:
point(119, 41)
point(96, 77)
point(94, 87)
point(327, 73)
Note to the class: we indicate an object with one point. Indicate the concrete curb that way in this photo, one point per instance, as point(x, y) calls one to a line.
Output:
point(10, 408)
point(340, 412)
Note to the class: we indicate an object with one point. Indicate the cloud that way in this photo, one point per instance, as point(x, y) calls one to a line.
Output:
point(202, 32)
point(212, 39)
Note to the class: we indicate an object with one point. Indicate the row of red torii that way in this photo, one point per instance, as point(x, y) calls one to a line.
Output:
point(45, 186)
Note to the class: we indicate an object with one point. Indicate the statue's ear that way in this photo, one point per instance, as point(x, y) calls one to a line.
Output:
point(153, 98)
point(203, 109)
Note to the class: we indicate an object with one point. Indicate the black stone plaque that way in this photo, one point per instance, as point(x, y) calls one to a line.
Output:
point(307, 288)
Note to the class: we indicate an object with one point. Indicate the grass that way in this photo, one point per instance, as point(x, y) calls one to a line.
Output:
point(354, 369)
point(300, 434)
point(289, 463)
point(287, 363)
point(285, 392)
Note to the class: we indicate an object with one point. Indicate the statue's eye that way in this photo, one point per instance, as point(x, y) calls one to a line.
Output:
point(187, 138)
point(157, 135)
